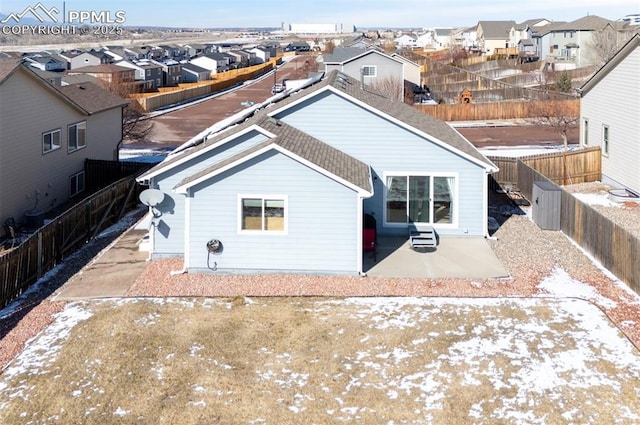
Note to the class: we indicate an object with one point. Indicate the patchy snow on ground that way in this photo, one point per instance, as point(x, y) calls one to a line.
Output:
point(518, 361)
point(601, 198)
point(560, 285)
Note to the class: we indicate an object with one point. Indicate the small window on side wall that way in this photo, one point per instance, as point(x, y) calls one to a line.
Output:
point(605, 140)
point(76, 184)
point(51, 141)
point(369, 71)
point(77, 136)
point(263, 214)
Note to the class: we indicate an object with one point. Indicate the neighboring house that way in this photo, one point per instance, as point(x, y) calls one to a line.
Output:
point(261, 55)
point(89, 58)
point(195, 49)
point(442, 38)
point(171, 72)
point(406, 41)
point(174, 52)
point(572, 42)
point(209, 63)
point(370, 66)
point(46, 63)
point(283, 191)
point(192, 73)
point(147, 71)
point(411, 71)
point(297, 46)
point(493, 35)
point(610, 116)
point(470, 39)
point(524, 30)
point(107, 73)
point(527, 51)
point(47, 134)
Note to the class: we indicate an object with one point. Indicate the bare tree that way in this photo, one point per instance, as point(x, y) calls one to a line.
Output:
point(392, 88)
point(605, 43)
point(561, 116)
point(135, 125)
point(329, 46)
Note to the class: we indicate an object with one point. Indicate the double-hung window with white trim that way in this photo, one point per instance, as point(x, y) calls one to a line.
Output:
point(262, 213)
point(77, 136)
point(51, 140)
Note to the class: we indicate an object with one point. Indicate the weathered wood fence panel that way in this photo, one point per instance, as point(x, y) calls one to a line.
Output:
point(582, 166)
point(614, 247)
point(23, 265)
point(492, 111)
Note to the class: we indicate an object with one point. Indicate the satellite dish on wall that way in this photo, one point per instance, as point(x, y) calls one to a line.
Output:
point(151, 197)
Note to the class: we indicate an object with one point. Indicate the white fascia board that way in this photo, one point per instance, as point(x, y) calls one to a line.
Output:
point(185, 187)
point(188, 156)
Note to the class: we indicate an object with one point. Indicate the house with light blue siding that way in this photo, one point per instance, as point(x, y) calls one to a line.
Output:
point(286, 189)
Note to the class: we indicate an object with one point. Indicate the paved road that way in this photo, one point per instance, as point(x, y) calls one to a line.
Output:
point(174, 128)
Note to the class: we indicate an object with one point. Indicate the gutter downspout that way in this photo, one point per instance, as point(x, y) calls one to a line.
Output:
point(187, 226)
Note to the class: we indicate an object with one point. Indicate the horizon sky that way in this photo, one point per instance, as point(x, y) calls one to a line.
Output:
point(361, 13)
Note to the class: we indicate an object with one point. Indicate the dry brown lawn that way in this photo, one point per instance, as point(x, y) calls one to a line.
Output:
point(304, 360)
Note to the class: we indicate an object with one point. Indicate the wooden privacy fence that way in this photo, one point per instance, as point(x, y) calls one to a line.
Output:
point(614, 247)
point(56, 240)
point(496, 110)
point(579, 166)
point(152, 102)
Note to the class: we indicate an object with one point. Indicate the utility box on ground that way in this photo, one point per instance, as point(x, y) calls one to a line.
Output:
point(546, 205)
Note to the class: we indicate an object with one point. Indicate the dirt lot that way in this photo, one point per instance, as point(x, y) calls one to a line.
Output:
point(487, 135)
point(175, 128)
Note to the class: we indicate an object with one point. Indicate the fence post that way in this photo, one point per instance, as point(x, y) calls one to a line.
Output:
point(40, 254)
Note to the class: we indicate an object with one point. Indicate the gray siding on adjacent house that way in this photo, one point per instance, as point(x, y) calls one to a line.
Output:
point(362, 134)
point(322, 233)
point(169, 240)
point(386, 68)
point(29, 178)
point(615, 102)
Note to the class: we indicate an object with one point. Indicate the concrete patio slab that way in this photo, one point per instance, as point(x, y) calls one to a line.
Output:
point(454, 257)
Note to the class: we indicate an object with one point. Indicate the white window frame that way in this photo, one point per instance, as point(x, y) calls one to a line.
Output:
point(54, 146)
point(77, 184)
point(606, 138)
point(74, 127)
point(264, 197)
point(370, 67)
point(455, 203)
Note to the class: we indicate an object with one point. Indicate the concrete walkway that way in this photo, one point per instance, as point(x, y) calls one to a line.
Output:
point(112, 273)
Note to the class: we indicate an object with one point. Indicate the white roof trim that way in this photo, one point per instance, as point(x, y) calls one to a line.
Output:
point(185, 187)
point(390, 118)
point(188, 156)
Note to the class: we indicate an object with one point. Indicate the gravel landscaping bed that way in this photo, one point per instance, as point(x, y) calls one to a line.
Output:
point(539, 262)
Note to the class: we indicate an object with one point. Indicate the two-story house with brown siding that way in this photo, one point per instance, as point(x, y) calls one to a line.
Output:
point(46, 134)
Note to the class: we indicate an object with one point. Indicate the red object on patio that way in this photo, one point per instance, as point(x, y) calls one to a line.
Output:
point(369, 236)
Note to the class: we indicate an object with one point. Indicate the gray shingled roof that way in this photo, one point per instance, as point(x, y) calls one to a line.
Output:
point(496, 29)
point(586, 23)
point(398, 110)
point(302, 145)
point(89, 99)
point(343, 54)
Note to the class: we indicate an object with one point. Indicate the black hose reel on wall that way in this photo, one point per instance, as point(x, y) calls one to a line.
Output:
point(214, 246)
